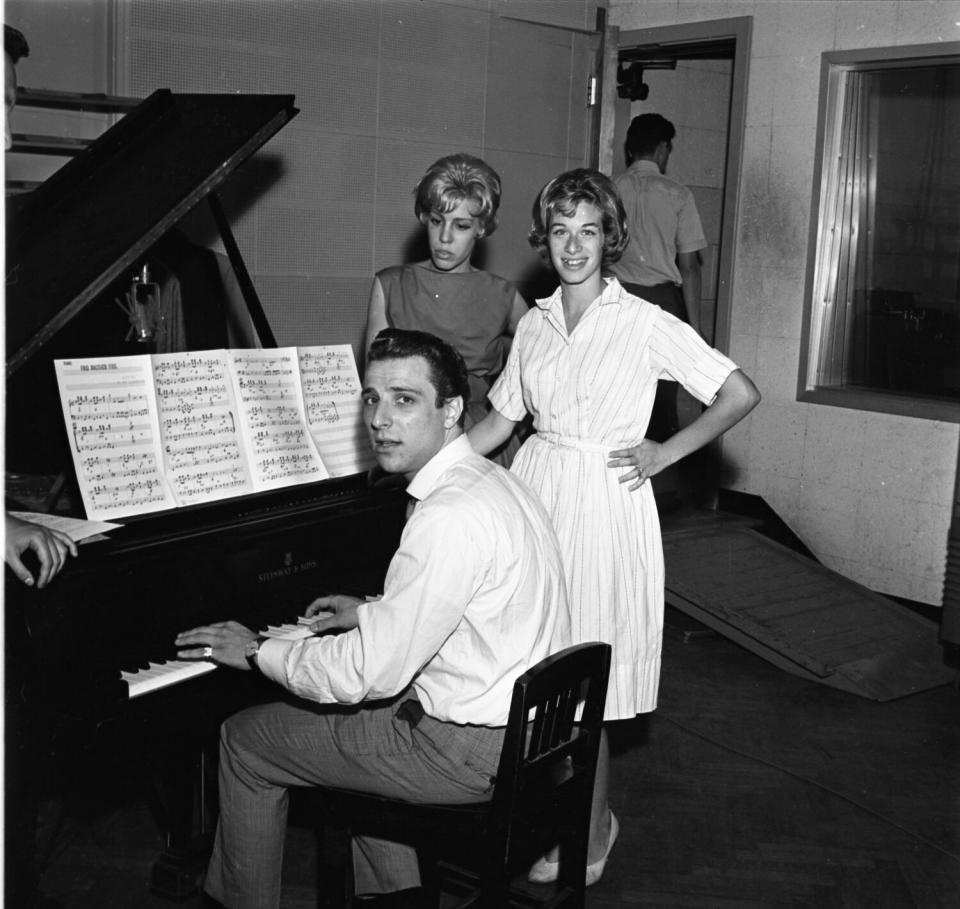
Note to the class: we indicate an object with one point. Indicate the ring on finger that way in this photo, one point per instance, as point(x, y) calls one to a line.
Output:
point(208, 652)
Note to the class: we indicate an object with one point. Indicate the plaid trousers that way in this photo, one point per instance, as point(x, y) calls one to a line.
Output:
point(269, 748)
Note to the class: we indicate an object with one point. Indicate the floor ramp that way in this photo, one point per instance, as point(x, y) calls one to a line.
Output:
point(799, 615)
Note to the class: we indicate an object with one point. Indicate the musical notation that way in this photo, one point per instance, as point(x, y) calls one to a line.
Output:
point(111, 419)
point(155, 432)
point(271, 403)
point(331, 394)
point(202, 444)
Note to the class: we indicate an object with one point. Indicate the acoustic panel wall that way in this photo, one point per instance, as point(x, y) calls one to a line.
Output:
point(384, 87)
point(311, 310)
point(530, 75)
point(433, 81)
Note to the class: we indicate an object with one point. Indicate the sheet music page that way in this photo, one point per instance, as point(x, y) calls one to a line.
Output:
point(77, 529)
point(331, 395)
point(200, 428)
point(272, 419)
point(111, 417)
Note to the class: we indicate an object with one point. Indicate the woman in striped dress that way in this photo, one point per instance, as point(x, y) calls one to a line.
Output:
point(585, 364)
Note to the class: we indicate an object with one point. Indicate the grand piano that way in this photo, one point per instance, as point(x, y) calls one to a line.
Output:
point(77, 650)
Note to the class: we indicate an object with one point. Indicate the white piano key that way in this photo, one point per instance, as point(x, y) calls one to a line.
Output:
point(161, 675)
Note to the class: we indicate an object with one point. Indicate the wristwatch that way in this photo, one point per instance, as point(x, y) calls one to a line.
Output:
point(251, 650)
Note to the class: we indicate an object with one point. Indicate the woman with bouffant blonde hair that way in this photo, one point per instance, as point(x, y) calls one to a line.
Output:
point(473, 310)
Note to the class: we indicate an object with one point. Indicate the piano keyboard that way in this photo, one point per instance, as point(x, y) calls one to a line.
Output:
point(171, 672)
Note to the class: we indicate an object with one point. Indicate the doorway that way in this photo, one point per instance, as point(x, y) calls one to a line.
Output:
point(696, 76)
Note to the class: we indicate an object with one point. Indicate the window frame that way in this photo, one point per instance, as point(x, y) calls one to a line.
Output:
point(834, 65)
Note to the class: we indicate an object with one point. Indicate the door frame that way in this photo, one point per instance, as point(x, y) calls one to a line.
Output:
point(738, 29)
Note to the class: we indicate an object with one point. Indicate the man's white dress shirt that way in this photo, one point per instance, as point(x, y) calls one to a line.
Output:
point(473, 597)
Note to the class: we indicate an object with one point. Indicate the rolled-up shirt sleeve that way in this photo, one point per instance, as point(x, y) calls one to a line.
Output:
point(679, 353)
point(426, 593)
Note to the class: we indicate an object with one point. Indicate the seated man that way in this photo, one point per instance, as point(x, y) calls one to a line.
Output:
point(473, 597)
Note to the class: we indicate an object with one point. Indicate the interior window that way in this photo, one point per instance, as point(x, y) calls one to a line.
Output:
point(882, 325)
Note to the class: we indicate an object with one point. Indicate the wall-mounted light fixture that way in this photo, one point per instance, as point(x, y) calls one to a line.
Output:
point(630, 82)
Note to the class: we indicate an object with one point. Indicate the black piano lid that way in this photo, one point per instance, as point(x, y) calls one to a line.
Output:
point(98, 214)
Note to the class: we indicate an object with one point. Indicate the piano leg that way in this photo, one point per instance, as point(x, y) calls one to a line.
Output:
point(180, 798)
point(26, 750)
point(21, 803)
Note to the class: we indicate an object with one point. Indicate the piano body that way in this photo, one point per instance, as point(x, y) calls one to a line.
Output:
point(259, 559)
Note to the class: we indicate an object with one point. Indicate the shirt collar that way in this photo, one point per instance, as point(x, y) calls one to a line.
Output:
point(645, 166)
point(428, 475)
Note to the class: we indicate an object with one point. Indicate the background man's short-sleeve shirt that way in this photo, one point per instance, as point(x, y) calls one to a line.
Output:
point(663, 221)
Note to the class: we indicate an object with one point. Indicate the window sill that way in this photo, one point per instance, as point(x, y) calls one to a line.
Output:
point(854, 398)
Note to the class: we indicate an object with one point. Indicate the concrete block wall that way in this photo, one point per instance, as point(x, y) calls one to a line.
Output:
point(869, 493)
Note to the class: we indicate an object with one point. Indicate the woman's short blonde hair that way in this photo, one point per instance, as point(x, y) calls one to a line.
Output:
point(563, 194)
point(455, 179)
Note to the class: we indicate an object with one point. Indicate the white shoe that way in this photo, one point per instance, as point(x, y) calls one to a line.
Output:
point(595, 869)
point(543, 871)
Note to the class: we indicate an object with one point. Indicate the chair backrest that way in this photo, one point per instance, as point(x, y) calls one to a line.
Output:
point(545, 778)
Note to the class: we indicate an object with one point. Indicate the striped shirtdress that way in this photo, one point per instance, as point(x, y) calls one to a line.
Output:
point(590, 393)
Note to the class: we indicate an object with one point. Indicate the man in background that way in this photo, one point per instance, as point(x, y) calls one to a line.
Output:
point(15, 48)
point(21, 771)
point(48, 545)
point(661, 263)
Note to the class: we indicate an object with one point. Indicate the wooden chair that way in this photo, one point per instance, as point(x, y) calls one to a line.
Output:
point(541, 797)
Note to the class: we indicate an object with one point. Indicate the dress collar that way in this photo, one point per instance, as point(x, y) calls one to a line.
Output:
point(611, 293)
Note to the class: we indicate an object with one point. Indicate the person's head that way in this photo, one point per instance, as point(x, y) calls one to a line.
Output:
point(650, 137)
point(457, 199)
point(579, 224)
point(415, 395)
point(15, 48)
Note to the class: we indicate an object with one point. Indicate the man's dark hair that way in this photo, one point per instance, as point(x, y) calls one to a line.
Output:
point(448, 372)
point(14, 44)
point(646, 132)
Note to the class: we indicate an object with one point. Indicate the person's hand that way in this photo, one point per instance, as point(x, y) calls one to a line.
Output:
point(51, 548)
point(647, 460)
point(339, 613)
point(221, 642)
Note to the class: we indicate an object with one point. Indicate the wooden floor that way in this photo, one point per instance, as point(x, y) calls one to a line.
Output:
point(749, 787)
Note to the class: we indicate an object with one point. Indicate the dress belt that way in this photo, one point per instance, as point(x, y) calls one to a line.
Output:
point(559, 441)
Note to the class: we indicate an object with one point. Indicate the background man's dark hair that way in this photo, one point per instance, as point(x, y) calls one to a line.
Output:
point(15, 44)
point(448, 372)
point(646, 132)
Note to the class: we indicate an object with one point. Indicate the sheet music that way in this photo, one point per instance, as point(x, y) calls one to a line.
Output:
point(200, 427)
point(76, 528)
point(111, 418)
point(273, 421)
point(331, 395)
point(155, 432)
